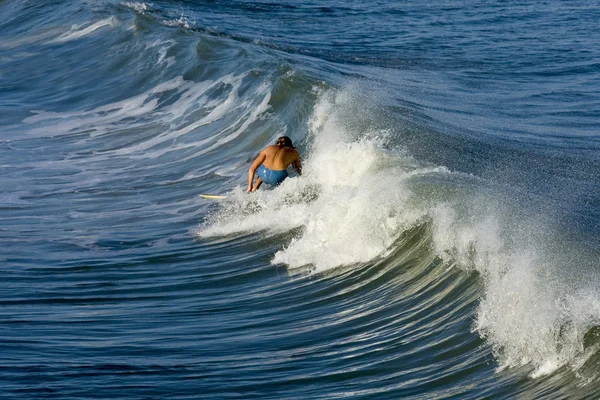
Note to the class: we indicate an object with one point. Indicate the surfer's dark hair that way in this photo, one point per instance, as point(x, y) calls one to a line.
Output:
point(285, 141)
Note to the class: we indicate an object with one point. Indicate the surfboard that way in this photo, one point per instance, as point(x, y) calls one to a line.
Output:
point(212, 196)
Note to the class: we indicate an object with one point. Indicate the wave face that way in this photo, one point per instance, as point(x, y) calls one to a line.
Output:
point(442, 240)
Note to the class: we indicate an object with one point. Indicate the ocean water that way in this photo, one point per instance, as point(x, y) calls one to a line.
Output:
point(442, 242)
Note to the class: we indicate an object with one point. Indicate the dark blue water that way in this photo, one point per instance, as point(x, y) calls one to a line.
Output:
point(443, 241)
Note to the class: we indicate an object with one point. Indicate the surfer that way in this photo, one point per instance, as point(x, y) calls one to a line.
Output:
point(271, 164)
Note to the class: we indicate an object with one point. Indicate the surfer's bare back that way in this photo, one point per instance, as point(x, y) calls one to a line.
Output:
point(272, 162)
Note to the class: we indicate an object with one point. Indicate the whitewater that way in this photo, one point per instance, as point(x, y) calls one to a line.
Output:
point(442, 240)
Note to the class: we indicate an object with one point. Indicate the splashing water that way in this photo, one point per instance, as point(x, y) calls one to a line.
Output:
point(356, 198)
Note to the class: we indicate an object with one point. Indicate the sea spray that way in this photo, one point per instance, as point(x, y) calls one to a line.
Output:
point(532, 313)
point(358, 195)
point(360, 206)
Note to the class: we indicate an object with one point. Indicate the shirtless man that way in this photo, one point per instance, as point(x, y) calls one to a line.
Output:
point(272, 162)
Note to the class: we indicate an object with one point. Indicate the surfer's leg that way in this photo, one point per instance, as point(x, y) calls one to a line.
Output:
point(257, 184)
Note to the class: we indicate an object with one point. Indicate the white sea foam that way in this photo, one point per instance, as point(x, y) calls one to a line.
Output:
point(138, 110)
point(182, 22)
point(137, 6)
point(539, 301)
point(101, 119)
point(163, 49)
point(357, 196)
point(350, 201)
point(78, 31)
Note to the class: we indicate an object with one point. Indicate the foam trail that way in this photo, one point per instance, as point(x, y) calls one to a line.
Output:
point(103, 119)
point(76, 33)
point(248, 118)
point(145, 108)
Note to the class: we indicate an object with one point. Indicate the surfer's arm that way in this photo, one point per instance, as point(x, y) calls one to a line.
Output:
point(259, 160)
point(297, 165)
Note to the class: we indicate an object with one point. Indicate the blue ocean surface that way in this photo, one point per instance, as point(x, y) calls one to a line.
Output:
point(442, 241)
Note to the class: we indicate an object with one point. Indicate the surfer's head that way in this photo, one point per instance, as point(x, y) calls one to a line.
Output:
point(285, 141)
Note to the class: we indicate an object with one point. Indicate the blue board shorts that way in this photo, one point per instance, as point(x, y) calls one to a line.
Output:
point(271, 176)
